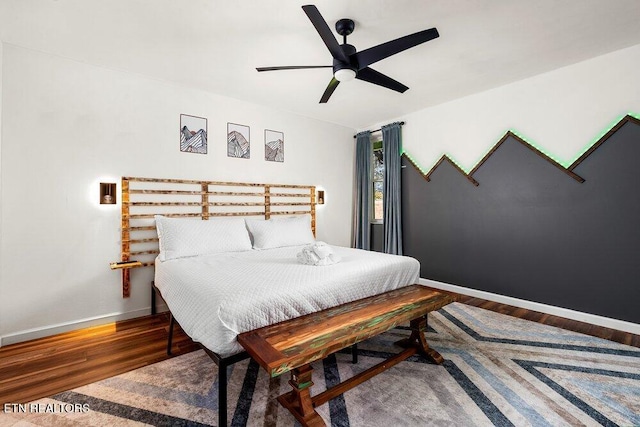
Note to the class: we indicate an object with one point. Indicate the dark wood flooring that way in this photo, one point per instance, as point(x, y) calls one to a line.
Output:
point(45, 366)
point(42, 367)
point(560, 322)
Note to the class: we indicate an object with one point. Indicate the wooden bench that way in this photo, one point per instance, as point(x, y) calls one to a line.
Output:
point(292, 345)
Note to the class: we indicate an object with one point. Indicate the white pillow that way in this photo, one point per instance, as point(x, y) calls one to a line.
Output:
point(279, 232)
point(180, 237)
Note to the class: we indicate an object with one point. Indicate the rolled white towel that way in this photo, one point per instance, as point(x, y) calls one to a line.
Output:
point(309, 256)
point(331, 259)
point(322, 249)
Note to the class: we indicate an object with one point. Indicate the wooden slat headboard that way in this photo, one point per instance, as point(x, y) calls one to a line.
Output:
point(142, 198)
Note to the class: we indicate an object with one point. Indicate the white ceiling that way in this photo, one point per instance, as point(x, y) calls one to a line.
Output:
point(215, 45)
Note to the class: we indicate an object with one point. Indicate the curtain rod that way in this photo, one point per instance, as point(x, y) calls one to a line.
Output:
point(377, 130)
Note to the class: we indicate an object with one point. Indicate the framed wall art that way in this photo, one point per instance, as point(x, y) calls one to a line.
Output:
point(193, 134)
point(273, 146)
point(238, 141)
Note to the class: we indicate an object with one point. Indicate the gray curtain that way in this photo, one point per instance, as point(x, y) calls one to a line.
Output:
point(392, 188)
point(361, 227)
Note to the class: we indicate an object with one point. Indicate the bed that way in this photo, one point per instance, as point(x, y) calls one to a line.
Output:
point(216, 297)
point(251, 278)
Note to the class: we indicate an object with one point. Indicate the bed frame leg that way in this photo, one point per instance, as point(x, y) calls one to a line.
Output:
point(223, 363)
point(354, 353)
point(153, 298)
point(222, 394)
point(172, 323)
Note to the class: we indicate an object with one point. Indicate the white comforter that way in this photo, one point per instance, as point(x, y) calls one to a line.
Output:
point(216, 297)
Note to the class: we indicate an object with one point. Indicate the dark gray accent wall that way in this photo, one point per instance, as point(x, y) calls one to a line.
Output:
point(532, 232)
point(377, 237)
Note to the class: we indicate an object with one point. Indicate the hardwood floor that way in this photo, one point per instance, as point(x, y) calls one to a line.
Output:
point(42, 367)
point(560, 322)
point(46, 366)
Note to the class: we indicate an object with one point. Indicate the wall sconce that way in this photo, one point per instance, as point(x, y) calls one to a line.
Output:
point(321, 197)
point(107, 193)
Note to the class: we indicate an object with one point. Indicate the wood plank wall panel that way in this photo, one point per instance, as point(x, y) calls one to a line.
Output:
point(143, 198)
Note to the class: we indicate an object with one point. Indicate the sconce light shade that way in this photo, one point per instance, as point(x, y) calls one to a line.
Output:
point(107, 193)
point(321, 197)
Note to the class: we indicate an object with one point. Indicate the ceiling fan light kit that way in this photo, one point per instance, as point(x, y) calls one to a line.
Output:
point(348, 63)
point(345, 74)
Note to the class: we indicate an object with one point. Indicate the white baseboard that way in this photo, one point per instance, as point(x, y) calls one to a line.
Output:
point(30, 334)
point(580, 316)
point(593, 319)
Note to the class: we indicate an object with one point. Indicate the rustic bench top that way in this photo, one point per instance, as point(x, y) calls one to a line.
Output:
point(293, 343)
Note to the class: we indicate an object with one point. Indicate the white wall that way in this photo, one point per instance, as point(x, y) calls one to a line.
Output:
point(1, 293)
point(70, 125)
point(561, 112)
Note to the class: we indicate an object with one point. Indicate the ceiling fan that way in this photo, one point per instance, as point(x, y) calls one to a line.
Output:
point(347, 62)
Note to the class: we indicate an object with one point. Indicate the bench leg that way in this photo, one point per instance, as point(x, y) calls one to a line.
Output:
point(298, 401)
point(354, 353)
point(418, 340)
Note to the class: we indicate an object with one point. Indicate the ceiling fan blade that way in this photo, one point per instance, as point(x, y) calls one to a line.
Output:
point(292, 67)
point(333, 84)
point(372, 76)
point(384, 50)
point(325, 32)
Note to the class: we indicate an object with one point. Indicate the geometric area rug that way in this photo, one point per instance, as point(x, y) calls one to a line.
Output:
point(498, 371)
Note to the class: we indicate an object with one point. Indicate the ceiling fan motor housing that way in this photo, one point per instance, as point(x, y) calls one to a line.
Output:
point(339, 65)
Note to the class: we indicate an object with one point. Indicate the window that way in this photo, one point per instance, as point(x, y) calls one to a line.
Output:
point(377, 178)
